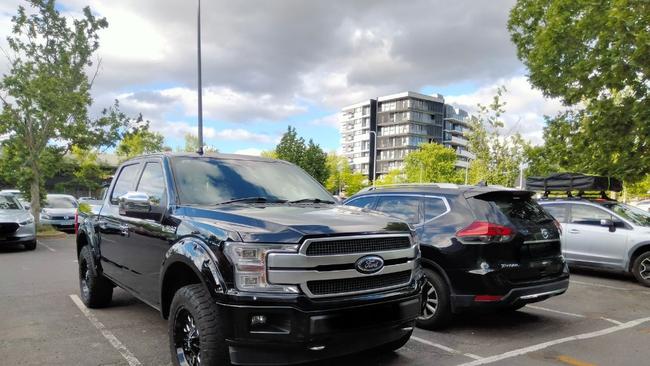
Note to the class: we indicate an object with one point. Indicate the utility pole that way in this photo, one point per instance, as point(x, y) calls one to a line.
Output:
point(200, 85)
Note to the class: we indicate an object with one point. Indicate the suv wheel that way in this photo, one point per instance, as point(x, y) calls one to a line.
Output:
point(31, 245)
point(641, 269)
point(195, 328)
point(96, 290)
point(436, 309)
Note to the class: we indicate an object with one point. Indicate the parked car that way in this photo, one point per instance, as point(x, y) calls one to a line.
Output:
point(250, 260)
point(604, 234)
point(16, 223)
point(59, 211)
point(482, 247)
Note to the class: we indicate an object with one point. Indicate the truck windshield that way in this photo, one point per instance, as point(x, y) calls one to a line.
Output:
point(210, 181)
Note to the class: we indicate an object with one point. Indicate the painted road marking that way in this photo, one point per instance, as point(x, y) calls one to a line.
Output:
point(611, 320)
point(540, 346)
point(47, 246)
point(555, 311)
point(128, 356)
point(608, 286)
point(444, 348)
point(572, 361)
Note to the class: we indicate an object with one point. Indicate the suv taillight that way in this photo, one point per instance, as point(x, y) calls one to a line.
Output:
point(76, 221)
point(482, 232)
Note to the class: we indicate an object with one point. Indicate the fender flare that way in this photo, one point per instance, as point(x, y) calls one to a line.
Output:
point(629, 263)
point(197, 255)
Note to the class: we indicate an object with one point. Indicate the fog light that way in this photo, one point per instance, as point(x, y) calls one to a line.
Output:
point(258, 320)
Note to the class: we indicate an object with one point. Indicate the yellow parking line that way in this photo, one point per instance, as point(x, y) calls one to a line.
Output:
point(572, 361)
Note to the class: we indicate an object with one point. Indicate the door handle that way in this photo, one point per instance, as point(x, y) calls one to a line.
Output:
point(574, 231)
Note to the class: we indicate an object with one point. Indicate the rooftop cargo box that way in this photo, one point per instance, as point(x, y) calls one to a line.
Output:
point(567, 182)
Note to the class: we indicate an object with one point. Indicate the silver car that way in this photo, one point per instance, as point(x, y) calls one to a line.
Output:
point(59, 211)
point(16, 223)
point(604, 234)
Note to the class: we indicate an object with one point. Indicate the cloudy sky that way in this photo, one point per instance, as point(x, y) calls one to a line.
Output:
point(269, 64)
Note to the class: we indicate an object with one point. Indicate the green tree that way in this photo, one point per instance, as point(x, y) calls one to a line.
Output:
point(88, 172)
point(499, 155)
point(309, 157)
point(432, 162)
point(395, 176)
point(139, 140)
point(595, 57)
point(271, 154)
point(341, 180)
point(192, 145)
point(46, 92)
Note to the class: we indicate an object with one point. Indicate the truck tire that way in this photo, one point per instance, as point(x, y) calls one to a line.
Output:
point(195, 329)
point(96, 290)
point(30, 245)
point(436, 310)
point(641, 269)
point(394, 345)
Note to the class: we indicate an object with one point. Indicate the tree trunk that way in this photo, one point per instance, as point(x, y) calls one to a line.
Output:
point(35, 192)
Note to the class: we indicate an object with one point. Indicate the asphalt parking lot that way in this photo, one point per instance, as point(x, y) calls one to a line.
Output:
point(603, 319)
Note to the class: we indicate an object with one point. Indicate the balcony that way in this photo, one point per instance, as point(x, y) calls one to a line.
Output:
point(457, 141)
point(466, 154)
point(462, 164)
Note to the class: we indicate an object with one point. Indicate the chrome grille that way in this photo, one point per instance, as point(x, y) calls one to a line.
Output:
point(357, 284)
point(328, 268)
point(343, 246)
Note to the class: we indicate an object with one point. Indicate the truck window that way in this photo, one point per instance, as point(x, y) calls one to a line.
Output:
point(125, 181)
point(152, 182)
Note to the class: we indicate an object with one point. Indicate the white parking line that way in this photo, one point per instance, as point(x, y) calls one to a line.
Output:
point(555, 311)
point(48, 247)
point(609, 287)
point(445, 348)
point(128, 356)
point(537, 347)
point(611, 320)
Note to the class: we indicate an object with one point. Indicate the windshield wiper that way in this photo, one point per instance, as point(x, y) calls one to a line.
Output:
point(311, 200)
point(254, 199)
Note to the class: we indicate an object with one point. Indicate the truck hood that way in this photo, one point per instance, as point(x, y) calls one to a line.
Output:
point(282, 223)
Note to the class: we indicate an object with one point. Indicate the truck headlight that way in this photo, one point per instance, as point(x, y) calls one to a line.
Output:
point(249, 261)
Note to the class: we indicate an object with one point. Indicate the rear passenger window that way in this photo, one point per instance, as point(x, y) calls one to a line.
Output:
point(557, 211)
point(125, 181)
point(588, 215)
point(433, 207)
point(405, 208)
point(362, 202)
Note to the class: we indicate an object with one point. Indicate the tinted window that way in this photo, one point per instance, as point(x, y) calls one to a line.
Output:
point(557, 211)
point(520, 209)
point(212, 181)
point(59, 202)
point(433, 207)
point(588, 215)
point(152, 182)
point(8, 202)
point(125, 181)
point(363, 202)
point(404, 208)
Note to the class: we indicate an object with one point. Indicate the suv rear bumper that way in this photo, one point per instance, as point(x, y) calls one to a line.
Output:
point(298, 336)
point(516, 296)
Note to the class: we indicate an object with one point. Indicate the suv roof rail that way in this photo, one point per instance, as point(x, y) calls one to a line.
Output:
point(406, 185)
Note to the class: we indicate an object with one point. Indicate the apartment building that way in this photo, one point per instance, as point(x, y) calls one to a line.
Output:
point(398, 124)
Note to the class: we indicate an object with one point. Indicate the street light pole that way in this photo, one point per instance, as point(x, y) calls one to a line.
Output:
point(200, 85)
point(374, 158)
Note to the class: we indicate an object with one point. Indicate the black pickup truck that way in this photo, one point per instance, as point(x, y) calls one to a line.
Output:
point(250, 260)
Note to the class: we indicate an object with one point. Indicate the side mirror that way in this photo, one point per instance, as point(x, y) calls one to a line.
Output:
point(135, 204)
point(608, 223)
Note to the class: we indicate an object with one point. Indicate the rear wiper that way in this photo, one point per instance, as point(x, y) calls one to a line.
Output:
point(254, 199)
point(312, 200)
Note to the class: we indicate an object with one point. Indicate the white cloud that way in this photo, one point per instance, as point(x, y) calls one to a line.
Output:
point(331, 120)
point(525, 108)
point(250, 151)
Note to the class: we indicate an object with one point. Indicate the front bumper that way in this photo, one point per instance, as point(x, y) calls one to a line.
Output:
point(296, 336)
point(24, 234)
point(59, 224)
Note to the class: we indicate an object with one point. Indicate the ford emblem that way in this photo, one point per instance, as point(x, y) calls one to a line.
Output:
point(369, 264)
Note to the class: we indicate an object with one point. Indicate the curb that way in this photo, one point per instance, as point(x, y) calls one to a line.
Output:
point(58, 235)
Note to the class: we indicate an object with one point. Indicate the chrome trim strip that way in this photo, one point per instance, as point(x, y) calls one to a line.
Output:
point(291, 260)
point(533, 296)
point(300, 277)
point(541, 241)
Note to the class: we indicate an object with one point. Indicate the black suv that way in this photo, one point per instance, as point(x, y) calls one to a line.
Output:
point(250, 260)
point(482, 247)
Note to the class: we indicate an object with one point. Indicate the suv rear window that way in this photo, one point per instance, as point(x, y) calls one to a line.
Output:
point(518, 207)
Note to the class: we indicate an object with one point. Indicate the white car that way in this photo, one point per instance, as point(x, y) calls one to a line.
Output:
point(59, 211)
point(16, 223)
point(604, 234)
